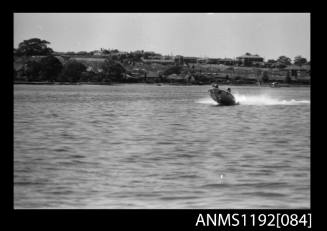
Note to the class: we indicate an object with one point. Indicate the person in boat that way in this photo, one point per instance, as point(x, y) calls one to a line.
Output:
point(215, 85)
point(229, 90)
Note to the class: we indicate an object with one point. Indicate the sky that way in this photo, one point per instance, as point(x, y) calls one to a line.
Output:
point(214, 35)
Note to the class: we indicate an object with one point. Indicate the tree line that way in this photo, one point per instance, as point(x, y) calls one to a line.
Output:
point(284, 61)
point(49, 68)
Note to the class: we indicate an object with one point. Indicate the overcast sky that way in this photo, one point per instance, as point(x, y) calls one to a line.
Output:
point(190, 34)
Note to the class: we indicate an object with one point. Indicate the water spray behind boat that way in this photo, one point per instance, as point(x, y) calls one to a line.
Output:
point(261, 99)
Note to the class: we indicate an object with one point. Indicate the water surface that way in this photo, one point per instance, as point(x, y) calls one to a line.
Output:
point(148, 146)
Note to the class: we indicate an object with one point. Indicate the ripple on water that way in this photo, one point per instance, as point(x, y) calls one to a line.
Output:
point(143, 146)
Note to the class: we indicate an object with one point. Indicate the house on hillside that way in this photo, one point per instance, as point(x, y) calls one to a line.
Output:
point(132, 78)
point(300, 73)
point(92, 64)
point(179, 60)
point(137, 73)
point(249, 60)
point(227, 61)
point(98, 53)
point(152, 77)
point(223, 67)
point(247, 73)
point(94, 69)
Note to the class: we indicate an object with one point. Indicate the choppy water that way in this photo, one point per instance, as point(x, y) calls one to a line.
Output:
point(148, 146)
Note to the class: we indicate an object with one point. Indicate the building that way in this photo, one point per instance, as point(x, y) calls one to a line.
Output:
point(227, 61)
point(98, 53)
point(179, 60)
point(190, 59)
point(298, 71)
point(92, 64)
point(249, 60)
point(152, 77)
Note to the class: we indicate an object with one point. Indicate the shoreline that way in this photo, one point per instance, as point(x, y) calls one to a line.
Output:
point(157, 84)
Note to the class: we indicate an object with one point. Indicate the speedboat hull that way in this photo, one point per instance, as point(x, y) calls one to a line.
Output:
point(274, 84)
point(222, 97)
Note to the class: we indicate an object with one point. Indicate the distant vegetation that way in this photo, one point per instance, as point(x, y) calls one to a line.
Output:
point(173, 70)
point(72, 72)
point(34, 46)
point(35, 61)
point(112, 71)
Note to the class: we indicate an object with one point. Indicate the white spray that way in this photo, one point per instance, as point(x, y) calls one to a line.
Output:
point(261, 99)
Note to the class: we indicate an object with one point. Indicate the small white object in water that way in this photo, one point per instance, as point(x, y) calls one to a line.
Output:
point(221, 178)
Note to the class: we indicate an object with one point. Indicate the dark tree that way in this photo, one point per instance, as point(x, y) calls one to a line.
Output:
point(72, 71)
point(271, 62)
point(114, 57)
point(283, 61)
point(112, 70)
point(50, 68)
point(34, 46)
point(86, 76)
point(32, 70)
point(288, 78)
point(173, 70)
point(104, 51)
point(237, 78)
point(265, 76)
point(82, 53)
point(15, 52)
point(70, 53)
point(299, 60)
point(15, 74)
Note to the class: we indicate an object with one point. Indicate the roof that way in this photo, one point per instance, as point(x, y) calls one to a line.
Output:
point(227, 59)
point(250, 56)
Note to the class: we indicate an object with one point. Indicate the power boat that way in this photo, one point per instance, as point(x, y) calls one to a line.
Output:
point(222, 97)
point(275, 84)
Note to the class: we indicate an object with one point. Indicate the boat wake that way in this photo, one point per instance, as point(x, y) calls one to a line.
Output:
point(207, 100)
point(256, 100)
